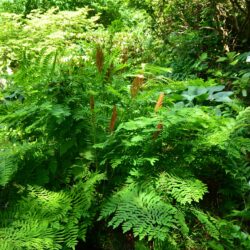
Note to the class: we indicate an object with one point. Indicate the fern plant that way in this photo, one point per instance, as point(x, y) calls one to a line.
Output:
point(173, 169)
point(74, 110)
point(44, 219)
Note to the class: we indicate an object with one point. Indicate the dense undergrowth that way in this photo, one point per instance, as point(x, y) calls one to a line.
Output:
point(118, 131)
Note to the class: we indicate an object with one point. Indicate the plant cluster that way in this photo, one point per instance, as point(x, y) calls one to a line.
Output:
point(98, 144)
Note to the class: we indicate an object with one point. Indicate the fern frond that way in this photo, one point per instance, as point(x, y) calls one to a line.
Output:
point(99, 59)
point(113, 119)
point(183, 190)
point(8, 167)
point(142, 212)
point(159, 102)
point(208, 222)
point(136, 85)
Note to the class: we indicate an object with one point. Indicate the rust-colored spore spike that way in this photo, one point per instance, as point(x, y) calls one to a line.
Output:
point(109, 72)
point(159, 129)
point(136, 85)
point(92, 103)
point(113, 119)
point(159, 102)
point(157, 107)
point(99, 59)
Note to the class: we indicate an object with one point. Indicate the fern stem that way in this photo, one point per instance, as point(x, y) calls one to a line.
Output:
point(93, 127)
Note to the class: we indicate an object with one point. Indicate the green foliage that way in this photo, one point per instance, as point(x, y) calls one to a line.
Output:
point(209, 225)
point(184, 191)
point(110, 11)
point(172, 166)
point(44, 219)
point(194, 33)
point(142, 212)
point(83, 136)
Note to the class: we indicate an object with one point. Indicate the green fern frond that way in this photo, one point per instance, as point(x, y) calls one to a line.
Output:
point(208, 222)
point(142, 212)
point(8, 167)
point(183, 190)
point(31, 234)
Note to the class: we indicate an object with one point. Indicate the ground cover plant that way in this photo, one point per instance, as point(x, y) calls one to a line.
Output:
point(119, 133)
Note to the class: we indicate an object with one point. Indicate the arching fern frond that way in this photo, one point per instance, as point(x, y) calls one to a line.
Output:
point(145, 213)
point(183, 190)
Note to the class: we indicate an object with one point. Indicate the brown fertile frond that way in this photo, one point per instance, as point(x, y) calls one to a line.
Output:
point(136, 85)
point(157, 107)
point(99, 59)
point(159, 102)
point(159, 129)
point(113, 119)
point(92, 103)
point(109, 72)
